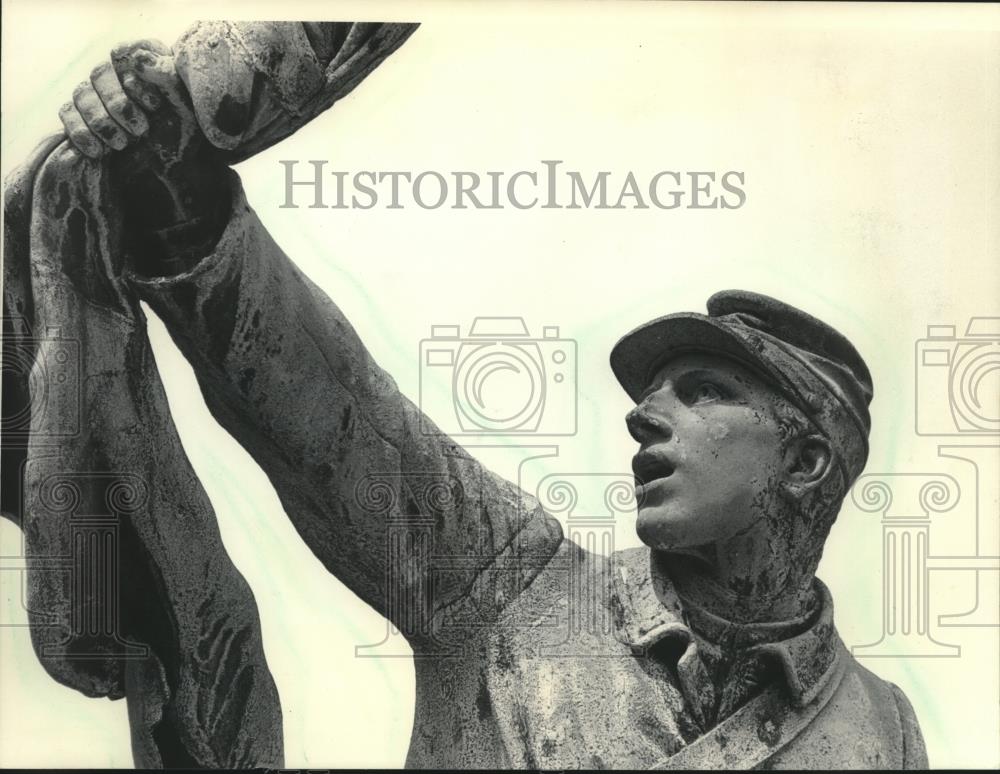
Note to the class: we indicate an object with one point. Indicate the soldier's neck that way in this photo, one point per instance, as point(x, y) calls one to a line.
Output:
point(741, 589)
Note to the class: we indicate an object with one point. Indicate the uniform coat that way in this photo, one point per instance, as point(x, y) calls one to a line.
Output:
point(529, 651)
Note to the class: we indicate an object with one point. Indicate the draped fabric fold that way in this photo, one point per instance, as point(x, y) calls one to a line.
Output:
point(130, 592)
point(129, 589)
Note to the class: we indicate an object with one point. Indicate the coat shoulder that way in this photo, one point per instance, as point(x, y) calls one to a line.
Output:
point(888, 696)
point(914, 749)
point(868, 723)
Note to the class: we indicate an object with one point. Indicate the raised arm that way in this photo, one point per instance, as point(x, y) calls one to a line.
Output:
point(408, 520)
point(283, 370)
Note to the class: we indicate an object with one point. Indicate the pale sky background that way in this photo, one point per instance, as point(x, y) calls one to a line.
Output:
point(869, 141)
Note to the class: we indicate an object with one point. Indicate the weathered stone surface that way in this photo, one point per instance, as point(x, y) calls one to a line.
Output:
point(713, 647)
point(149, 606)
point(130, 590)
point(254, 83)
point(530, 651)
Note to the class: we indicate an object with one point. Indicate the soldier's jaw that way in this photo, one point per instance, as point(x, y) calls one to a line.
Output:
point(660, 526)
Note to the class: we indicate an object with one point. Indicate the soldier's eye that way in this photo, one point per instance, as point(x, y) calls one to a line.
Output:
point(706, 392)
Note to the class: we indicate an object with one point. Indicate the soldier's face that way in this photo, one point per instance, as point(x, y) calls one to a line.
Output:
point(710, 454)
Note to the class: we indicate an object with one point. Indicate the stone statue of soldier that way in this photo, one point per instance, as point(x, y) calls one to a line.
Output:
point(752, 423)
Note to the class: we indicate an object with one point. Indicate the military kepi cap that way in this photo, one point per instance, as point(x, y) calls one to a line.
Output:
point(808, 361)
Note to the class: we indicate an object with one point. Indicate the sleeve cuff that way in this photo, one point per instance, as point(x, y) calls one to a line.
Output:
point(193, 246)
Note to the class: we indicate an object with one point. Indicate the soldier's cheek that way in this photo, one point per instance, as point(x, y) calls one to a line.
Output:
point(717, 431)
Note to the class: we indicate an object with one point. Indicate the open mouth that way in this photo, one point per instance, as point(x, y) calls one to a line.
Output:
point(648, 467)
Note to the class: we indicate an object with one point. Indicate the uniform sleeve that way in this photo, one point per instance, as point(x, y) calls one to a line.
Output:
point(400, 513)
point(253, 83)
point(914, 750)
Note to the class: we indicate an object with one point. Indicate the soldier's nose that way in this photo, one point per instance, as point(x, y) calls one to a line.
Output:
point(645, 425)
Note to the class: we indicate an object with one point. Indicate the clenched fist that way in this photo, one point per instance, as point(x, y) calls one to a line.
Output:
point(136, 111)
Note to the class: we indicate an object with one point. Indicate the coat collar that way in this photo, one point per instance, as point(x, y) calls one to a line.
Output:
point(648, 610)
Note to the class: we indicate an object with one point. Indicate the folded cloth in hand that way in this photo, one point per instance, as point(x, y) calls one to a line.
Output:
point(130, 591)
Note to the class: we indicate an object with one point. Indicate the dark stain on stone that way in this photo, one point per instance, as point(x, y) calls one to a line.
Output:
point(168, 130)
point(62, 199)
point(233, 659)
point(483, 704)
point(504, 654)
point(231, 115)
point(76, 228)
point(226, 725)
point(184, 296)
point(107, 132)
point(412, 509)
point(207, 640)
point(345, 514)
point(220, 308)
point(246, 379)
point(769, 732)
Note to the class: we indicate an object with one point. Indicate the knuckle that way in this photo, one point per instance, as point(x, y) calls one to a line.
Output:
point(65, 158)
point(133, 90)
point(80, 136)
point(100, 71)
point(132, 50)
point(85, 141)
point(118, 105)
point(81, 91)
point(154, 44)
point(132, 87)
point(136, 121)
point(123, 55)
point(105, 127)
point(108, 131)
point(126, 46)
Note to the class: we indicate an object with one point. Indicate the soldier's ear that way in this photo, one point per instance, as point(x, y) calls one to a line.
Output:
point(807, 462)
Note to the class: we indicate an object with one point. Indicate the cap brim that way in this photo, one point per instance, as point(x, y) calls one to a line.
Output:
point(640, 353)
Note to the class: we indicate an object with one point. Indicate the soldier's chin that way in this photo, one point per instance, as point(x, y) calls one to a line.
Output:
point(662, 528)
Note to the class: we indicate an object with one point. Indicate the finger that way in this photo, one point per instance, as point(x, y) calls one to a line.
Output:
point(157, 69)
point(96, 116)
point(78, 133)
point(140, 92)
point(122, 109)
point(123, 59)
point(124, 51)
